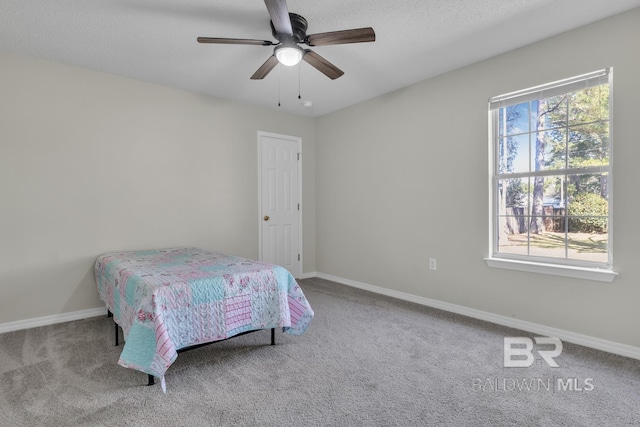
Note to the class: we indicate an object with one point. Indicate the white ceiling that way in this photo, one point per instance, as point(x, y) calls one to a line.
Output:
point(155, 41)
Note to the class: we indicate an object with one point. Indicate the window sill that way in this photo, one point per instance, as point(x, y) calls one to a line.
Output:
point(596, 274)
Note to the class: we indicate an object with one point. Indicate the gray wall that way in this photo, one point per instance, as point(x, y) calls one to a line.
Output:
point(403, 178)
point(91, 162)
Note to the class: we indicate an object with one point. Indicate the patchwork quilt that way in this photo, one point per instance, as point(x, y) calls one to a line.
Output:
point(169, 299)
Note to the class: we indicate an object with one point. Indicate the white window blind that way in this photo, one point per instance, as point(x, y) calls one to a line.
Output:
point(561, 87)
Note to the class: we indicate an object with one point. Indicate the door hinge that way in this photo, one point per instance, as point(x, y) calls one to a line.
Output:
point(298, 156)
point(298, 206)
point(298, 257)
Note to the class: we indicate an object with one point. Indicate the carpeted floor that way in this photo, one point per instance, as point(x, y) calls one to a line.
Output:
point(366, 360)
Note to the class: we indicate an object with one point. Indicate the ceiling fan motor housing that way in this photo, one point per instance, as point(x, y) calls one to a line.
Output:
point(299, 27)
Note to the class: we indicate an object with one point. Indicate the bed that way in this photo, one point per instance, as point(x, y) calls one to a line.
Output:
point(166, 300)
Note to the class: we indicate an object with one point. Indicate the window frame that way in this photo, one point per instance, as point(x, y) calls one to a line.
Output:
point(539, 264)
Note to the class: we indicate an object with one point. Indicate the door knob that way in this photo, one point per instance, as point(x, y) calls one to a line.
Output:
point(266, 217)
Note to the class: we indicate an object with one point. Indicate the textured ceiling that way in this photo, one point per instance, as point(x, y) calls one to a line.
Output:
point(155, 41)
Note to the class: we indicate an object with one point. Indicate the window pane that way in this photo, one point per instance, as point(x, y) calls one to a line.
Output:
point(589, 145)
point(587, 194)
point(515, 195)
point(547, 225)
point(513, 218)
point(550, 113)
point(514, 154)
point(548, 150)
point(547, 197)
point(592, 247)
point(588, 207)
point(556, 150)
point(514, 119)
point(549, 244)
point(554, 194)
point(588, 221)
point(589, 105)
point(512, 239)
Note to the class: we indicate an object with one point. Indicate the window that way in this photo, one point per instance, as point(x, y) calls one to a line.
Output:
point(551, 178)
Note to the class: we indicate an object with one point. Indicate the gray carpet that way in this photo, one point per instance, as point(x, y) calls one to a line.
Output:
point(366, 360)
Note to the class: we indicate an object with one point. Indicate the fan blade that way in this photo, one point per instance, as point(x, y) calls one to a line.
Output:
point(359, 35)
point(321, 64)
point(265, 68)
point(234, 41)
point(279, 14)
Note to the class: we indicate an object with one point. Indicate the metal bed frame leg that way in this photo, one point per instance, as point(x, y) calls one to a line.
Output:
point(151, 380)
point(273, 336)
point(110, 314)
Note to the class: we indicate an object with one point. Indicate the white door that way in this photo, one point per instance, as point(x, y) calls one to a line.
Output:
point(279, 214)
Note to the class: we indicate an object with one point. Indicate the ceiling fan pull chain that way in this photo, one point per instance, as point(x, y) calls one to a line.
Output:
point(299, 97)
point(279, 83)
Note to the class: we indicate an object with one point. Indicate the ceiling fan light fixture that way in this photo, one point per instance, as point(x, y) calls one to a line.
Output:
point(288, 55)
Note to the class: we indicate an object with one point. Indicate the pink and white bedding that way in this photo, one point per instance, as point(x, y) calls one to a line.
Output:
point(169, 299)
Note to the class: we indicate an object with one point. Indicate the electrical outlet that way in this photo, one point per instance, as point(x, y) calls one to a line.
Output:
point(432, 264)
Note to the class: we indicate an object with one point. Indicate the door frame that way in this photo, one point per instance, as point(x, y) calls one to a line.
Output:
point(298, 141)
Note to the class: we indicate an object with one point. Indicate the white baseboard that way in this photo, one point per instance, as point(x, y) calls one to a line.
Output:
point(51, 320)
point(308, 275)
point(572, 337)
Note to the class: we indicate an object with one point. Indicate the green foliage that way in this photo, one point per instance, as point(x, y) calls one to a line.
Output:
point(588, 213)
point(580, 128)
point(516, 193)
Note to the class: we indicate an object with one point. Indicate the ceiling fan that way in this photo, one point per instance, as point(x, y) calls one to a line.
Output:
point(290, 30)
